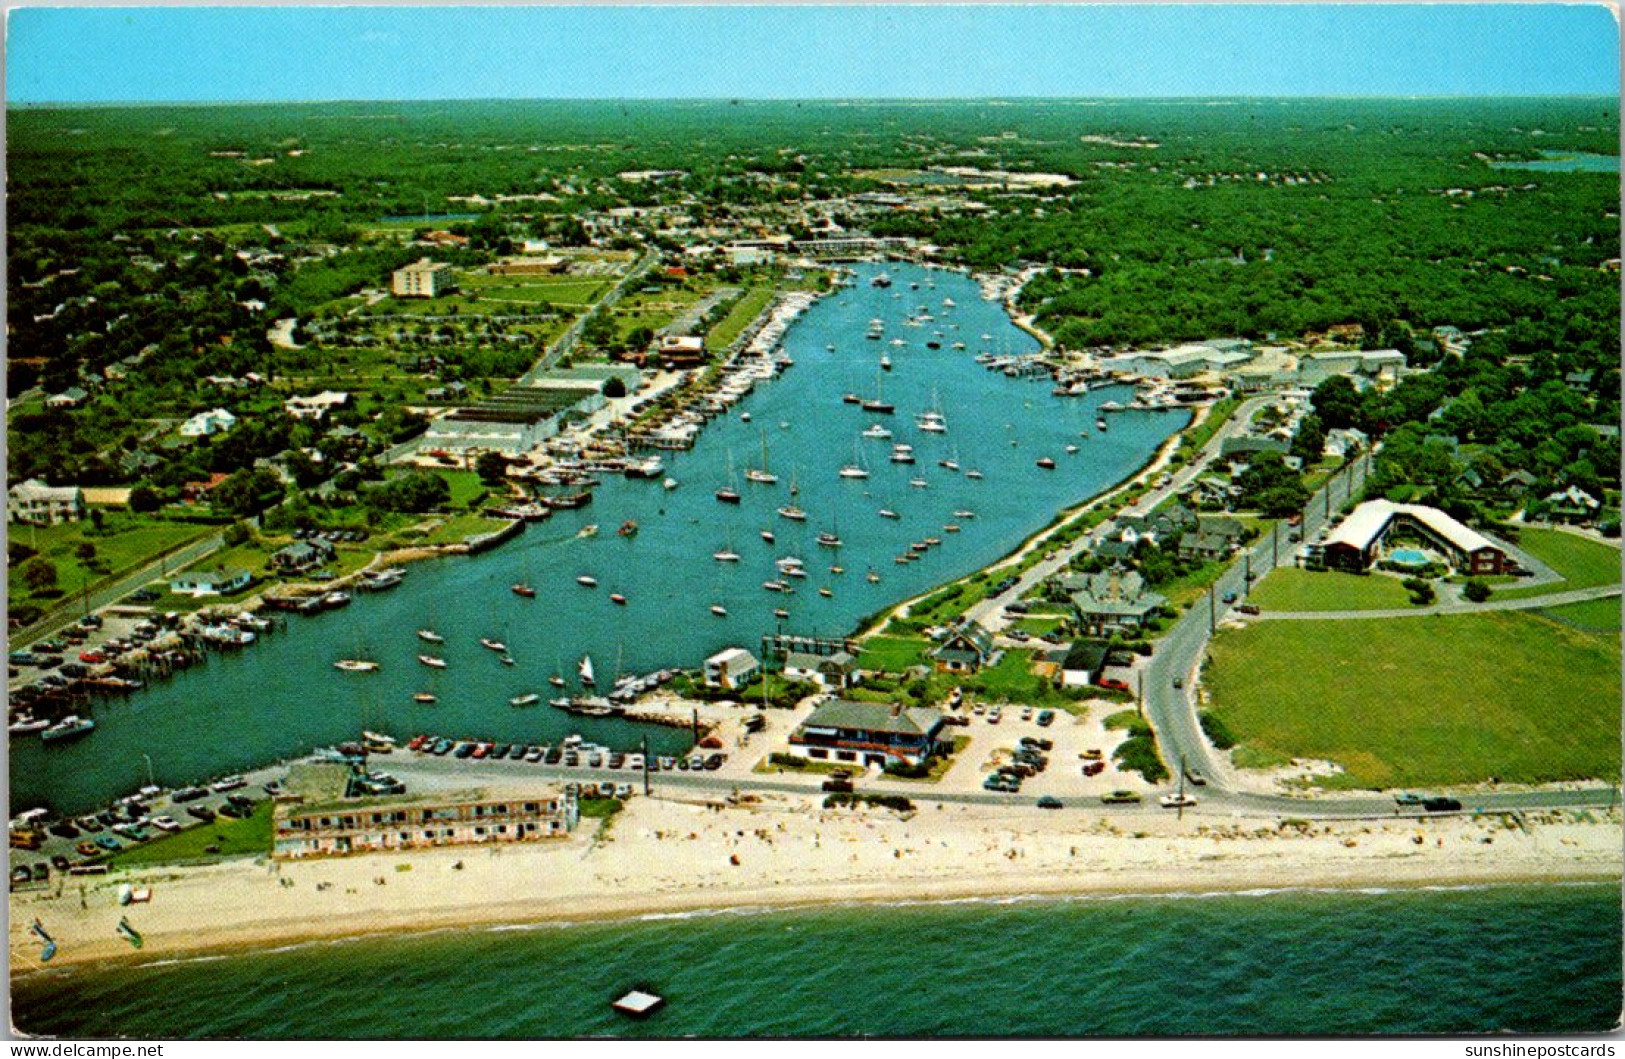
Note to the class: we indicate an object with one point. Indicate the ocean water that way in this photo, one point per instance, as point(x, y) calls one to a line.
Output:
point(1566, 162)
point(282, 697)
point(1535, 959)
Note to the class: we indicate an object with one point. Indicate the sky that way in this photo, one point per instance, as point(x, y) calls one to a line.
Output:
point(158, 54)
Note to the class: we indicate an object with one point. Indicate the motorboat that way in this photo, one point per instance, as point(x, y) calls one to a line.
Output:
point(793, 513)
point(528, 699)
point(355, 665)
point(1046, 463)
point(726, 555)
point(918, 483)
point(432, 662)
point(829, 540)
point(629, 528)
point(492, 645)
point(69, 727)
point(524, 591)
point(425, 698)
point(877, 433)
point(617, 599)
point(719, 610)
point(767, 535)
point(826, 593)
point(781, 614)
point(430, 636)
point(587, 581)
point(964, 513)
point(887, 512)
point(728, 496)
point(974, 475)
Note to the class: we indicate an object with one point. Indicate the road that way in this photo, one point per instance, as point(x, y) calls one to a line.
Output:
point(994, 605)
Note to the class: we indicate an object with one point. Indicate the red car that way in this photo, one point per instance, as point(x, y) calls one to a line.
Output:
point(92, 657)
point(1093, 768)
point(1112, 682)
point(481, 750)
point(417, 742)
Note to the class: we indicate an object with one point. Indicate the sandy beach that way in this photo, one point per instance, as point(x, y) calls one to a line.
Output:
point(661, 856)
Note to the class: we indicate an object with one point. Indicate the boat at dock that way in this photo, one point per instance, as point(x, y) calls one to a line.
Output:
point(586, 706)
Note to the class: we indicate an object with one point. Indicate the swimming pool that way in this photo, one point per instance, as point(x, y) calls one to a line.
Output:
point(1409, 557)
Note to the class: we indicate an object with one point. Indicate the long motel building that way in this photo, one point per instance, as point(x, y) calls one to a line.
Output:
point(444, 819)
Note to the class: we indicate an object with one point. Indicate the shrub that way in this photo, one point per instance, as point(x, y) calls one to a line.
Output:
point(1476, 591)
point(1219, 735)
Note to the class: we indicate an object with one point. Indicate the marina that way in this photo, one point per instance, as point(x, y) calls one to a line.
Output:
point(283, 697)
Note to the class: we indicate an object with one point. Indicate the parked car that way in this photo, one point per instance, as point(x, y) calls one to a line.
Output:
point(1049, 802)
point(1441, 805)
point(109, 843)
point(201, 812)
point(166, 823)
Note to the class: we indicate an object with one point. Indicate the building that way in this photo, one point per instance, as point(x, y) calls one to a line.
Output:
point(334, 826)
point(869, 733)
point(1314, 368)
point(217, 582)
point(830, 672)
point(1113, 599)
point(681, 349)
point(512, 422)
point(731, 669)
point(850, 247)
point(39, 504)
point(423, 279)
point(316, 405)
point(1573, 504)
point(205, 424)
point(1182, 362)
point(300, 556)
point(1360, 539)
point(72, 397)
point(538, 265)
point(1083, 663)
point(966, 649)
point(1345, 441)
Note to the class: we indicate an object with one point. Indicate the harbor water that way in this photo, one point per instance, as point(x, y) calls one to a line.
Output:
point(1536, 959)
point(282, 696)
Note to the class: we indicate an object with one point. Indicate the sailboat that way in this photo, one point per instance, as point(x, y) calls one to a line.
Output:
point(587, 678)
point(767, 535)
point(878, 403)
point(831, 538)
point(726, 555)
point(762, 475)
point(932, 421)
point(885, 362)
point(789, 511)
point(557, 679)
point(728, 494)
point(855, 469)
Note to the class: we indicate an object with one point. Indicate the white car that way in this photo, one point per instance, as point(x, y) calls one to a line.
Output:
point(165, 823)
point(635, 762)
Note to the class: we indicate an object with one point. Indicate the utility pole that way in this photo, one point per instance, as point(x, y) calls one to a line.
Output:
point(1212, 611)
point(1139, 695)
point(1275, 546)
point(646, 766)
point(1247, 571)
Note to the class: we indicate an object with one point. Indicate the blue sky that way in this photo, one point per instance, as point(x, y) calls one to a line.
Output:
point(292, 53)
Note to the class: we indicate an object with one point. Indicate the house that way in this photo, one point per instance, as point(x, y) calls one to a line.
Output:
point(1357, 541)
point(72, 397)
point(731, 669)
point(300, 556)
point(1469, 480)
point(1579, 381)
point(681, 349)
point(423, 279)
point(452, 391)
point(1113, 599)
point(833, 671)
point(316, 405)
point(1083, 663)
point(1206, 545)
point(1251, 445)
point(1572, 504)
point(1166, 524)
point(1517, 483)
point(1345, 441)
point(869, 733)
point(192, 492)
point(217, 582)
point(204, 424)
point(38, 504)
point(965, 649)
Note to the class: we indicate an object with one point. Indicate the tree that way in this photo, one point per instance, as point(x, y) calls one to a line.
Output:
point(143, 498)
point(1338, 403)
point(1476, 591)
point(248, 492)
point(85, 551)
point(614, 388)
point(39, 575)
point(491, 466)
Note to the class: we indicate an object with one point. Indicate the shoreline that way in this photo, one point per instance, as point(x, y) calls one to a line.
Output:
point(670, 859)
point(634, 908)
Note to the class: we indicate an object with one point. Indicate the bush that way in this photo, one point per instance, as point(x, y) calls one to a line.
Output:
point(1217, 733)
point(1476, 591)
point(884, 801)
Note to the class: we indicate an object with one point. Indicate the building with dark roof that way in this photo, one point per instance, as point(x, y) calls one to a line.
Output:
point(869, 733)
point(964, 650)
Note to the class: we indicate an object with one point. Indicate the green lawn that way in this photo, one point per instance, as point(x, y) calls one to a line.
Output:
point(1189, 587)
point(458, 528)
point(127, 541)
point(1436, 700)
point(465, 486)
point(1596, 615)
point(892, 654)
point(746, 309)
point(234, 838)
point(1289, 588)
point(1583, 563)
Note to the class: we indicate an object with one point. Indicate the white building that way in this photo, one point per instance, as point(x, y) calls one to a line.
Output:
point(830, 672)
point(202, 425)
point(316, 405)
point(424, 279)
point(1181, 362)
point(39, 504)
point(732, 668)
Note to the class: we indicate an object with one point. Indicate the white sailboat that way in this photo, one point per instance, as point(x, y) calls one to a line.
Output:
point(587, 677)
point(762, 475)
point(856, 468)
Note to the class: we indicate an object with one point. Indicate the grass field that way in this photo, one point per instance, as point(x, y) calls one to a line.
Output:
point(1597, 615)
point(746, 309)
point(1289, 588)
point(1437, 700)
point(1583, 563)
point(892, 654)
point(232, 838)
point(457, 528)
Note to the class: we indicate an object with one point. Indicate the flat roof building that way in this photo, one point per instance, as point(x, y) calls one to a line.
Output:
point(329, 826)
point(423, 278)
